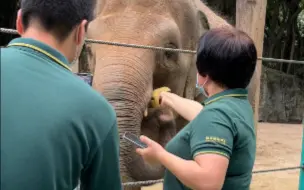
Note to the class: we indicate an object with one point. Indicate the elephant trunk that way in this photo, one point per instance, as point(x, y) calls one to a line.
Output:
point(126, 81)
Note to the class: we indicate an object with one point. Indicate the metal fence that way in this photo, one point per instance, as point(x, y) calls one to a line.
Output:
point(12, 31)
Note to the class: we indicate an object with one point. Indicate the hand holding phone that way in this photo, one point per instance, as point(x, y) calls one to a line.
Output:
point(134, 140)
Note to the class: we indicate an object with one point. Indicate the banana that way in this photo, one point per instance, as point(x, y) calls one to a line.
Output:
point(146, 112)
point(155, 95)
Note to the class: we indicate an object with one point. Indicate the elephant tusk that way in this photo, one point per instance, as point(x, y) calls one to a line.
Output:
point(146, 112)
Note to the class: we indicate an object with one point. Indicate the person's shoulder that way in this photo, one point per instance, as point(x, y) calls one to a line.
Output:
point(91, 100)
point(12, 57)
point(4, 49)
point(213, 119)
point(232, 106)
point(94, 114)
point(237, 111)
point(215, 112)
point(6, 53)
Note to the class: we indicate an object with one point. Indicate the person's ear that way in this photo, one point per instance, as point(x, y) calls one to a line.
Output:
point(81, 32)
point(202, 79)
point(19, 24)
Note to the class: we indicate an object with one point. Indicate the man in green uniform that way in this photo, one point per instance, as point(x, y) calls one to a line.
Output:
point(55, 129)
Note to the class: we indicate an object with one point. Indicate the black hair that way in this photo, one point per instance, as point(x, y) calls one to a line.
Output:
point(59, 17)
point(228, 56)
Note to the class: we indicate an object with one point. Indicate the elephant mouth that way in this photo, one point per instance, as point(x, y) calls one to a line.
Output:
point(158, 124)
point(159, 130)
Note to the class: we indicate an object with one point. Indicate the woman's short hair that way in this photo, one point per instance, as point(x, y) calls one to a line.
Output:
point(228, 56)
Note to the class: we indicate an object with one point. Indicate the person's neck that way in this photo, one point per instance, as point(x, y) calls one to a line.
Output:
point(215, 89)
point(45, 38)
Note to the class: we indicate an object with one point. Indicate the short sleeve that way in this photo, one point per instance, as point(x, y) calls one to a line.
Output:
point(212, 132)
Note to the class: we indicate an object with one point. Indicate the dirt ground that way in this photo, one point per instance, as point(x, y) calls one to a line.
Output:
point(279, 145)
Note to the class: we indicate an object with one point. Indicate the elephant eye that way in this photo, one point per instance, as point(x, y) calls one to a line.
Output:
point(170, 55)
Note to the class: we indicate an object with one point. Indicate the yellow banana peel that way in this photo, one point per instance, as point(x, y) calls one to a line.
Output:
point(155, 96)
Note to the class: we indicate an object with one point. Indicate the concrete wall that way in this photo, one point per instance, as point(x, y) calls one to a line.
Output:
point(282, 97)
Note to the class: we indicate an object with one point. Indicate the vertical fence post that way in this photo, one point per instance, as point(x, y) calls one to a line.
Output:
point(250, 18)
point(301, 181)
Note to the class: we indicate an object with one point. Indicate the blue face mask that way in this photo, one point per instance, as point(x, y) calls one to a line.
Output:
point(202, 90)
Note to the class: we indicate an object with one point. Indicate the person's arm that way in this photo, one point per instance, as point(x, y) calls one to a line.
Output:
point(187, 108)
point(103, 171)
point(211, 142)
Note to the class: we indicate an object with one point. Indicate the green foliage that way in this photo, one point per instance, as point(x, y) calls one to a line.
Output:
point(284, 31)
point(301, 22)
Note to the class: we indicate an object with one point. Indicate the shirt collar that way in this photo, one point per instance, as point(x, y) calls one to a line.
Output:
point(237, 93)
point(45, 50)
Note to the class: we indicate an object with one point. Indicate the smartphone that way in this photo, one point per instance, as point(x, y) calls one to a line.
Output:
point(134, 140)
point(86, 77)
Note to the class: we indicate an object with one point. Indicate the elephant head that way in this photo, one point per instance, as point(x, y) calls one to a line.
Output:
point(127, 76)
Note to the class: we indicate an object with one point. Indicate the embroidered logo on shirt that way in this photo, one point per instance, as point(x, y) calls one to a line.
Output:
point(215, 139)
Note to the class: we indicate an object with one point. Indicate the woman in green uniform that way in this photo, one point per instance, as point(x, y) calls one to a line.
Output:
point(216, 150)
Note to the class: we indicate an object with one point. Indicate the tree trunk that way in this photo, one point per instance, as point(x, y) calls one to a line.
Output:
point(292, 51)
point(282, 55)
point(250, 17)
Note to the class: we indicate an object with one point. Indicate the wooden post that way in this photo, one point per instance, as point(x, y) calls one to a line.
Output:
point(250, 18)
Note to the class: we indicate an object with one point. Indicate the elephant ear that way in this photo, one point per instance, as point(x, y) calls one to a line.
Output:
point(202, 26)
point(86, 59)
point(202, 22)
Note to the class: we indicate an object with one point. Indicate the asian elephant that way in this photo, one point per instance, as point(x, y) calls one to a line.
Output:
point(127, 76)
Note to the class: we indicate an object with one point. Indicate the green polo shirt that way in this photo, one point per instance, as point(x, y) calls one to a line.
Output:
point(55, 129)
point(225, 127)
